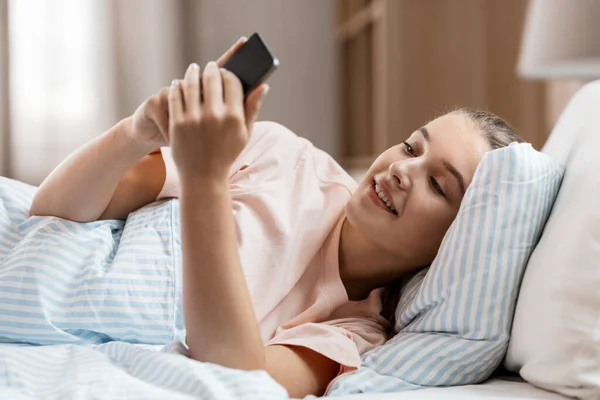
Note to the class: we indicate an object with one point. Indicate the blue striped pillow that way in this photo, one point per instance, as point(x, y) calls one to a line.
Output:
point(68, 282)
point(454, 319)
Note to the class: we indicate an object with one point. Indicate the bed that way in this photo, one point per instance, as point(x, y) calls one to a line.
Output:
point(92, 295)
point(112, 365)
point(126, 371)
point(494, 389)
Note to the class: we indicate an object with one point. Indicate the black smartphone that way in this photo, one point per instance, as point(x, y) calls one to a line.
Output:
point(252, 63)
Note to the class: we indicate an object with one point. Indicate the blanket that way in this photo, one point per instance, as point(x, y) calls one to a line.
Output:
point(86, 310)
point(120, 370)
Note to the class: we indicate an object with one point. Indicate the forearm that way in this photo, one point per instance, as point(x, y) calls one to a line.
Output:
point(81, 187)
point(220, 320)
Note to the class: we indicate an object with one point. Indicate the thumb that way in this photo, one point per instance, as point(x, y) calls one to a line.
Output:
point(254, 103)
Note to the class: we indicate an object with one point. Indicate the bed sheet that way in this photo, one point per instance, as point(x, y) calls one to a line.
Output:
point(494, 389)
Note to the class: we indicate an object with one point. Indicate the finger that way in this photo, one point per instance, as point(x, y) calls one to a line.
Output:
point(212, 86)
point(254, 103)
point(227, 55)
point(176, 106)
point(191, 89)
point(162, 117)
point(233, 92)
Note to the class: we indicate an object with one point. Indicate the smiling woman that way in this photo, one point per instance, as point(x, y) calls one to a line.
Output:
point(420, 184)
point(283, 256)
point(487, 132)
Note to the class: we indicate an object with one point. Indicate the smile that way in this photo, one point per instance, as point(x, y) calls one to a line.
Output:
point(378, 196)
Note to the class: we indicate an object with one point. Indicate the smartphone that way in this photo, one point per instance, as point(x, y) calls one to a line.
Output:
point(252, 63)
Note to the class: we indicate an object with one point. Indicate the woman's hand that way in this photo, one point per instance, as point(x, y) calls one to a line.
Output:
point(148, 127)
point(209, 124)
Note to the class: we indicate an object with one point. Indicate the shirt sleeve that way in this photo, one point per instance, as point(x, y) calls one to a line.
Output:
point(171, 185)
point(356, 329)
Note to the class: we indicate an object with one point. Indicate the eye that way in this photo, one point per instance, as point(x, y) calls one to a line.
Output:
point(436, 186)
point(409, 148)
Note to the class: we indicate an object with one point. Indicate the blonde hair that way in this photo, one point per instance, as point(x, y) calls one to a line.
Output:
point(496, 130)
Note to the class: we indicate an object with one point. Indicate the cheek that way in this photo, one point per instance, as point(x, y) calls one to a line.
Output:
point(426, 220)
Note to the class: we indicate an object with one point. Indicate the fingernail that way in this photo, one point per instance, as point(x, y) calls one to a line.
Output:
point(264, 93)
point(194, 66)
point(241, 39)
point(211, 64)
point(174, 82)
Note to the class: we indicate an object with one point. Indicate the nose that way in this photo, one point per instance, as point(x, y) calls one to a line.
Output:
point(400, 175)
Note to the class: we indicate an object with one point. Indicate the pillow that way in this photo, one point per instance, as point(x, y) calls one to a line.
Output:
point(69, 282)
point(454, 319)
point(556, 332)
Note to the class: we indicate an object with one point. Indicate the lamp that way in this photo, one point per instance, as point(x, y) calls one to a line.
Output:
point(561, 40)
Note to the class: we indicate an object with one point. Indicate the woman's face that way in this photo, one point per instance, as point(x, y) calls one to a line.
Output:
point(423, 180)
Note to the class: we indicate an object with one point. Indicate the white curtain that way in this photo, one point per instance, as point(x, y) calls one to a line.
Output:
point(4, 83)
point(78, 66)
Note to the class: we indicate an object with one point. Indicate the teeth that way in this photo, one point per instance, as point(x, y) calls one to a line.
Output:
point(380, 193)
point(384, 198)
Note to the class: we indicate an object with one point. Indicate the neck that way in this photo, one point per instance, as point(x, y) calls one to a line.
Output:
point(364, 266)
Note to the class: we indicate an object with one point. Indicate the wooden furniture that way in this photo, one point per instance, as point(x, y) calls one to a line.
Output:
point(404, 62)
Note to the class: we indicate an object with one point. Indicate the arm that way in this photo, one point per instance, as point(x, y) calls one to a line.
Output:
point(106, 178)
point(214, 289)
point(219, 316)
point(140, 186)
point(115, 173)
point(300, 370)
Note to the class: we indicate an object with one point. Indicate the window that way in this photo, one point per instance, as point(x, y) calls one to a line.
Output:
point(53, 93)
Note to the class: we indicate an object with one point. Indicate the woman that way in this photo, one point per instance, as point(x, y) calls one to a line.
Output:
point(289, 281)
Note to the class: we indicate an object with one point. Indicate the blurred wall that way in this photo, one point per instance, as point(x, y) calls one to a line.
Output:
point(301, 34)
point(558, 95)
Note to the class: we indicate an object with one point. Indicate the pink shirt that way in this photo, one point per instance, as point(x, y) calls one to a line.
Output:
point(287, 200)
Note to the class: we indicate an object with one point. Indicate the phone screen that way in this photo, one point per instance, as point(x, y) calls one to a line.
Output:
point(252, 63)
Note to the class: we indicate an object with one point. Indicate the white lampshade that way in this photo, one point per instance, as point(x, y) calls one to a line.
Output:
point(561, 39)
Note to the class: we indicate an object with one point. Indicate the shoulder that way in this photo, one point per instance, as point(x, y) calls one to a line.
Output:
point(267, 135)
point(273, 145)
point(325, 167)
point(271, 150)
point(272, 130)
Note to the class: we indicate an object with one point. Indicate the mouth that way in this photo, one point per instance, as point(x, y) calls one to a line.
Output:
point(378, 196)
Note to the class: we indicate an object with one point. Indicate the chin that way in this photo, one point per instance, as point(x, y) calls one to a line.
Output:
point(369, 224)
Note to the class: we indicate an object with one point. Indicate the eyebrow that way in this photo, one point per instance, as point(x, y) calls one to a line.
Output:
point(456, 174)
point(447, 165)
point(425, 133)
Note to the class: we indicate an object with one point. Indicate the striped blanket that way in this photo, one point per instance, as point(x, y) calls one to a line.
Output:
point(103, 298)
point(120, 370)
point(68, 282)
